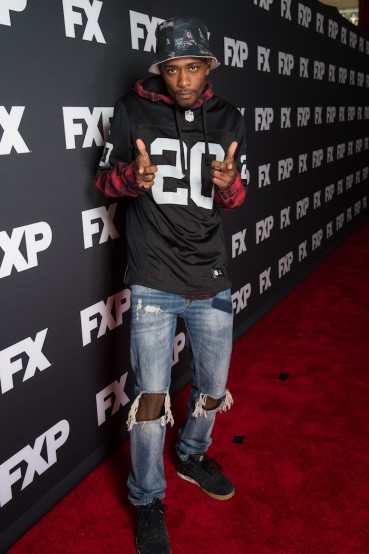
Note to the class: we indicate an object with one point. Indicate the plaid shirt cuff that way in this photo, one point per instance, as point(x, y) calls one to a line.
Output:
point(233, 196)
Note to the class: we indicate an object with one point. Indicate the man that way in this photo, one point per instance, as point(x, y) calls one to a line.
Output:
point(177, 151)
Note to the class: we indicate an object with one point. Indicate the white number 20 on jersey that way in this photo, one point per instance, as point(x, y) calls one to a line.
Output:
point(180, 196)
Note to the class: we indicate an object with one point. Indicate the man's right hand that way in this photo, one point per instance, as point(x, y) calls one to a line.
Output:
point(144, 170)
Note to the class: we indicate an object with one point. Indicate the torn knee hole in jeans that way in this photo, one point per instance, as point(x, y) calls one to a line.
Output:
point(164, 419)
point(225, 403)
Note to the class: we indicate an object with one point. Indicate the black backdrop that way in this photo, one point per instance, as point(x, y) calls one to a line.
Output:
point(298, 72)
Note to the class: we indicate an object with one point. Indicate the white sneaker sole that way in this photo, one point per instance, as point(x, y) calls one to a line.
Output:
point(212, 494)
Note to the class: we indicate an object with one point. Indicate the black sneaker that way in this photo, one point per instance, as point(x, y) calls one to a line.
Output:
point(151, 532)
point(204, 472)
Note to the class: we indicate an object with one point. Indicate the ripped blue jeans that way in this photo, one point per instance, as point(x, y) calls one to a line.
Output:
point(209, 327)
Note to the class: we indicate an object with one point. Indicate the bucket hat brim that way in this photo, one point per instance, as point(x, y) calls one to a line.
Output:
point(154, 68)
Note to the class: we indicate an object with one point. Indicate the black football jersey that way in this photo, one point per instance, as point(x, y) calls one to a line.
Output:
point(174, 231)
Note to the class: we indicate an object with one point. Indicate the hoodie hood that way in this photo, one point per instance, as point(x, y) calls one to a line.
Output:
point(154, 89)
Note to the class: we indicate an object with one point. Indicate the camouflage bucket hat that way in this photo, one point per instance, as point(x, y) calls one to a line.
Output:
point(181, 37)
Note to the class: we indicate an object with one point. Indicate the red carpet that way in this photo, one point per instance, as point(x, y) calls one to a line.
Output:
point(300, 462)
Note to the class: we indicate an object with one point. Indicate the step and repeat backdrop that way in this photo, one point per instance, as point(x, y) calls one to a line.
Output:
point(299, 74)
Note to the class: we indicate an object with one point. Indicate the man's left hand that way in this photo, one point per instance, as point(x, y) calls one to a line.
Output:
point(224, 173)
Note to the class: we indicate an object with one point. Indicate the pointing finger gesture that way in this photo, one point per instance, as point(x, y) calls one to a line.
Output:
point(224, 173)
point(144, 170)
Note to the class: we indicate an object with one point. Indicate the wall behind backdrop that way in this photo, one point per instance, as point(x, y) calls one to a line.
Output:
point(298, 72)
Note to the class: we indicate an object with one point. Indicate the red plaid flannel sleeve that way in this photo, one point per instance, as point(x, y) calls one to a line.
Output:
point(119, 181)
point(232, 197)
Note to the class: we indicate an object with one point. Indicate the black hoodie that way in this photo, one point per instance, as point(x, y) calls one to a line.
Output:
point(174, 231)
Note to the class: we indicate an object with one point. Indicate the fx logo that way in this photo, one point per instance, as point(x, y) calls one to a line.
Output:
point(330, 154)
point(285, 168)
point(11, 136)
point(264, 280)
point(37, 237)
point(31, 461)
point(351, 113)
point(316, 239)
point(329, 230)
point(285, 118)
point(340, 219)
point(140, 22)
point(91, 11)
point(302, 250)
point(91, 223)
point(286, 63)
point(349, 181)
point(353, 39)
point(238, 243)
point(343, 35)
point(263, 118)
point(6, 6)
point(112, 395)
point(318, 115)
point(263, 59)
point(317, 199)
point(304, 68)
point(360, 79)
point(303, 163)
point(240, 298)
point(263, 228)
point(358, 146)
point(304, 15)
point(284, 264)
point(264, 178)
point(92, 121)
point(319, 23)
point(332, 29)
point(12, 360)
point(303, 116)
point(235, 49)
point(319, 70)
point(285, 217)
point(332, 73)
point(317, 158)
point(302, 207)
point(342, 75)
point(341, 150)
point(101, 316)
point(331, 112)
point(286, 9)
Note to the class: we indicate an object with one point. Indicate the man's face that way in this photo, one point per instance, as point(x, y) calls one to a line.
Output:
point(185, 79)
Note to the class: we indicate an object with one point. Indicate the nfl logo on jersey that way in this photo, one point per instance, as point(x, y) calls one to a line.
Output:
point(189, 116)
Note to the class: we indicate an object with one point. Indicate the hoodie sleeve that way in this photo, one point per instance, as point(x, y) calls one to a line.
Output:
point(115, 175)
